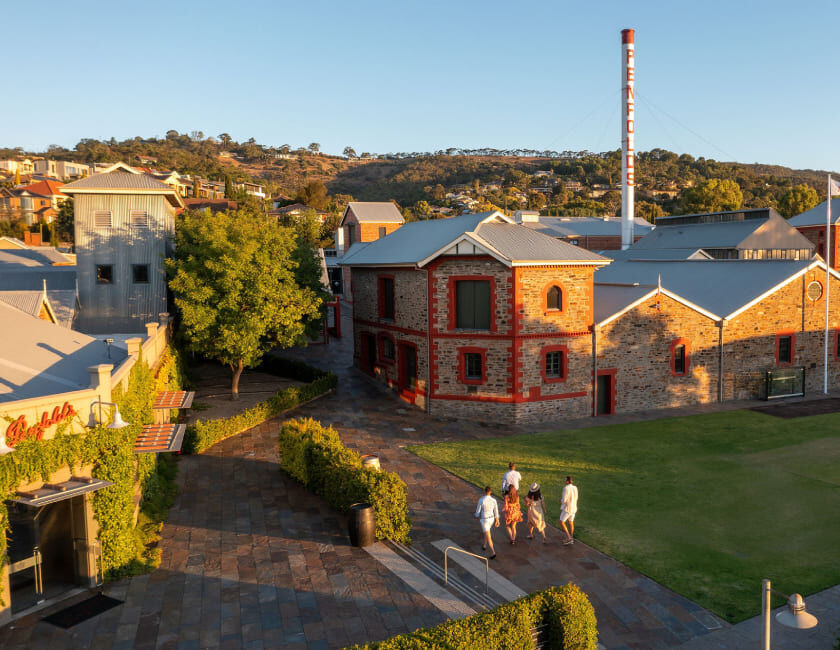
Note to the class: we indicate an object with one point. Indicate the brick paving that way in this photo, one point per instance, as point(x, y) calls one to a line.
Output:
point(251, 560)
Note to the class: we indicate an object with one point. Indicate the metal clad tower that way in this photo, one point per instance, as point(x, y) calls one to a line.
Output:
point(628, 127)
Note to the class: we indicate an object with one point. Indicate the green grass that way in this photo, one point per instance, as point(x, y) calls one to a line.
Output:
point(705, 505)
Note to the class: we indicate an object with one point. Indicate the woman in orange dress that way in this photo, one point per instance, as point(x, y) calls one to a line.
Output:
point(513, 513)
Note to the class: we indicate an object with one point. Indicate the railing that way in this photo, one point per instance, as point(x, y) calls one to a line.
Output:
point(32, 562)
point(460, 550)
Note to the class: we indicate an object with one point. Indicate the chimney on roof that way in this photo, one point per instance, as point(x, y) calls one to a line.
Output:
point(628, 128)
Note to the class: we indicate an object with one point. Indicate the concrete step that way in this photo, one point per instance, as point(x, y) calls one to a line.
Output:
point(497, 582)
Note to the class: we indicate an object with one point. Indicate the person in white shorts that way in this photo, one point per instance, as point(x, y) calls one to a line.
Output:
point(487, 512)
point(568, 509)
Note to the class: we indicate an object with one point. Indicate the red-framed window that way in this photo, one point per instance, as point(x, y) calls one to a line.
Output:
point(554, 298)
point(387, 349)
point(837, 345)
point(785, 348)
point(385, 296)
point(472, 299)
point(554, 363)
point(472, 365)
point(680, 357)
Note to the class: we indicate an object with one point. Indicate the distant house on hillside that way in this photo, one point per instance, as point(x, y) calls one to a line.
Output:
point(297, 210)
point(214, 205)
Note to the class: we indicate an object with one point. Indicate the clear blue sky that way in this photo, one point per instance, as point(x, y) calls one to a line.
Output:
point(737, 80)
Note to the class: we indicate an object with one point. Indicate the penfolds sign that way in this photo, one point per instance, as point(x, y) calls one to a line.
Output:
point(21, 430)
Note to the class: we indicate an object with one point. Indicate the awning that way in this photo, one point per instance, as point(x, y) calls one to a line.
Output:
point(52, 492)
point(174, 399)
point(160, 437)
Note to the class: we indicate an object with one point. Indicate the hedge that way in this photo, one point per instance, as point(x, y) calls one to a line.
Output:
point(203, 434)
point(316, 457)
point(566, 611)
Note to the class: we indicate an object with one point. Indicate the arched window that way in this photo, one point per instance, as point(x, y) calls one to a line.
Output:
point(554, 299)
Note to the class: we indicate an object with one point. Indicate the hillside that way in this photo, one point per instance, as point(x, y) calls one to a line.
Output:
point(577, 182)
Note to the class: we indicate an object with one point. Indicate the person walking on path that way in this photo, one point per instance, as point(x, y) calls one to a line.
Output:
point(568, 509)
point(513, 512)
point(536, 511)
point(512, 477)
point(487, 513)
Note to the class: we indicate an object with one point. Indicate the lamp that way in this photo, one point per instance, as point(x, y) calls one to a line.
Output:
point(795, 616)
point(116, 422)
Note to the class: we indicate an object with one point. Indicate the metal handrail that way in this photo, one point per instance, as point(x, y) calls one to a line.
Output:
point(460, 550)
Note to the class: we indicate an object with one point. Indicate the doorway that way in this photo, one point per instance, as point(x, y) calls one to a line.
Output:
point(408, 368)
point(368, 359)
point(605, 390)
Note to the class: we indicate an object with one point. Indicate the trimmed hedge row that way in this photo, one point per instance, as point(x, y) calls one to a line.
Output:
point(566, 612)
point(203, 434)
point(316, 457)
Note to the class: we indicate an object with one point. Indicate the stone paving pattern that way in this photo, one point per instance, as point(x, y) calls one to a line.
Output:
point(252, 560)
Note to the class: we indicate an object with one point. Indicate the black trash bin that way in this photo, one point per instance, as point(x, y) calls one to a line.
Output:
point(362, 524)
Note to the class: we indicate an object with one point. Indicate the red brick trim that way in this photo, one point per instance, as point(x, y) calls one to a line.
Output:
point(515, 314)
point(470, 334)
point(462, 365)
point(389, 327)
point(380, 346)
point(565, 369)
point(380, 295)
point(453, 310)
point(544, 299)
point(516, 399)
point(779, 335)
point(674, 344)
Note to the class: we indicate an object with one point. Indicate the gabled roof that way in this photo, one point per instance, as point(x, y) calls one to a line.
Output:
point(13, 259)
point(45, 188)
point(13, 242)
point(721, 289)
point(29, 302)
point(296, 207)
point(586, 226)
point(122, 182)
point(816, 216)
point(772, 232)
point(657, 254)
point(39, 358)
point(486, 233)
point(373, 212)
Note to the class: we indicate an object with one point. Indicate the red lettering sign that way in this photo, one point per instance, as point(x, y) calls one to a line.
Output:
point(18, 430)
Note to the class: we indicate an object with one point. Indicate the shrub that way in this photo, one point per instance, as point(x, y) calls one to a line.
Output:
point(316, 457)
point(203, 434)
point(566, 611)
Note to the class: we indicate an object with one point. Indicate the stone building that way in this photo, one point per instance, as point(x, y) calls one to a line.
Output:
point(479, 316)
point(811, 224)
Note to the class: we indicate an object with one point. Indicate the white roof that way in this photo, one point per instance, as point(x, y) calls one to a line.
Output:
point(586, 226)
point(373, 212)
point(486, 233)
point(38, 358)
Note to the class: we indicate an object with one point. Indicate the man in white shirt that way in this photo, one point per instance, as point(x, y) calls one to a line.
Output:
point(487, 513)
point(511, 478)
point(568, 509)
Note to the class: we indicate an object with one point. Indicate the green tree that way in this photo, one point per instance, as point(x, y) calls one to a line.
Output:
point(234, 282)
point(648, 211)
point(798, 200)
point(225, 138)
point(313, 194)
point(349, 152)
point(314, 147)
point(536, 200)
point(422, 209)
point(64, 221)
point(228, 187)
point(713, 195)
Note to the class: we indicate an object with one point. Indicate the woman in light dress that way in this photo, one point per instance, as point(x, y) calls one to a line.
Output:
point(536, 511)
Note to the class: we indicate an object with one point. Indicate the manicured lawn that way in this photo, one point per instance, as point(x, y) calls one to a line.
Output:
point(706, 505)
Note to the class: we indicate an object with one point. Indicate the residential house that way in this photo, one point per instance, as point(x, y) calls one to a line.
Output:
point(213, 205)
point(124, 226)
point(296, 210)
point(251, 189)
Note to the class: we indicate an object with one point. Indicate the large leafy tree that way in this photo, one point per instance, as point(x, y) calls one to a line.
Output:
point(713, 195)
point(797, 200)
point(234, 282)
point(64, 221)
point(313, 194)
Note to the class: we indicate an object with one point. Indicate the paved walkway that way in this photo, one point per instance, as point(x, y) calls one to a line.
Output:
point(250, 559)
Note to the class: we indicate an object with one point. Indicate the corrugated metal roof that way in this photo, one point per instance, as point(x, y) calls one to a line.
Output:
point(117, 181)
point(727, 234)
point(585, 226)
point(31, 257)
point(655, 254)
point(32, 279)
point(419, 240)
point(519, 244)
point(816, 215)
point(38, 358)
point(718, 286)
point(375, 212)
point(611, 299)
point(63, 303)
point(28, 302)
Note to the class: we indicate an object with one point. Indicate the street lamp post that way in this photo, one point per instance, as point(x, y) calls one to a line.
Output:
point(116, 423)
point(795, 616)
